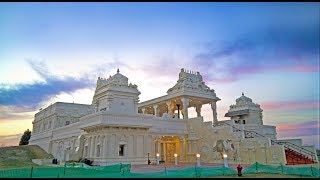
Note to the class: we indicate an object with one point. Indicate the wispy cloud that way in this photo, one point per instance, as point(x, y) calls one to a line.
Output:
point(299, 129)
point(10, 140)
point(26, 97)
point(271, 50)
point(29, 95)
point(289, 105)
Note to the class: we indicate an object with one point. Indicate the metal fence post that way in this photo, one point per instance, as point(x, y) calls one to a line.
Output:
point(256, 167)
point(31, 171)
point(165, 170)
point(195, 168)
point(64, 170)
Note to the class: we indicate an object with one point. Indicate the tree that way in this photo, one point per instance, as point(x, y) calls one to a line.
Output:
point(25, 138)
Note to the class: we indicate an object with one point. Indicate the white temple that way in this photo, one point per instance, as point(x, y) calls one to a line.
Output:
point(116, 128)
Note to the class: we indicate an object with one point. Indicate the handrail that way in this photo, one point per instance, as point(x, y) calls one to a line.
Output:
point(286, 144)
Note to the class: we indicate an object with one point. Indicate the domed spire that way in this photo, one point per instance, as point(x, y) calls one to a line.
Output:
point(243, 99)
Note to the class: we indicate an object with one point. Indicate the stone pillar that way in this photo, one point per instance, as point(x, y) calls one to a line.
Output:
point(237, 143)
point(169, 108)
point(143, 110)
point(116, 152)
point(156, 112)
point(254, 155)
point(198, 110)
point(185, 104)
point(145, 141)
point(101, 146)
point(182, 149)
point(153, 144)
point(105, 148)
point(164, 152)
point(159, 145)
point(248, 155)
point(90, 147)
point(214, 111)
point(263, 154)
point(135, 144)
point(95, 146)
point(113, 145)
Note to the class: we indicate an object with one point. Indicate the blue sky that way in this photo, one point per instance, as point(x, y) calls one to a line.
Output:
point(55, 51)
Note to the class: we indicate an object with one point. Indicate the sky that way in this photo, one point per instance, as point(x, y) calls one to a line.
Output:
point(54, 52)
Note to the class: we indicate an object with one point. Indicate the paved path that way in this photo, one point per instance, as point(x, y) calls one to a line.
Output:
point(161, 167)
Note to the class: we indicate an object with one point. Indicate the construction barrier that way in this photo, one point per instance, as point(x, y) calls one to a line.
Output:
point(258, 168)
point(81, 170)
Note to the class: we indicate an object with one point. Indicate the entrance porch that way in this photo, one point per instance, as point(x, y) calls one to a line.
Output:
point(167, 146)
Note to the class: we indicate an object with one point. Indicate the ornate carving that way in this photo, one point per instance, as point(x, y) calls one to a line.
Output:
point(245, 102)
point(204, 151)
point(123, 139)
point(222, 147)
point(191, 81)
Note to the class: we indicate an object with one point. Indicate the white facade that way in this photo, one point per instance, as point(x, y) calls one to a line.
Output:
point(116, 128)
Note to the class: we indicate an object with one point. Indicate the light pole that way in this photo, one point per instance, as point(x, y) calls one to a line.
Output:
point(198, 160)
point(158, 158)
point(176, 159)
point(225, 157)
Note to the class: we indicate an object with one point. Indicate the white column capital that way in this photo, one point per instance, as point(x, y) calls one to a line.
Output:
point(181, 138)
point(185, 101)
point(213, 105)
point(156, 112)
point(185, 104)
point(214, 111)
point(168, 103)
point(198, 109)
point(143, 110)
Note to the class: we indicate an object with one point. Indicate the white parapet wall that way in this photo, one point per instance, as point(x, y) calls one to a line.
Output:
point(42, 161)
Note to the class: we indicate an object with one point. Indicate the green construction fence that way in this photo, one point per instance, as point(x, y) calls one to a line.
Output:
point(80, 170)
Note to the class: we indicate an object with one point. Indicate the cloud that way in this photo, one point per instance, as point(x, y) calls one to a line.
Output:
point(10, 140)
point(299, 129)
point(29, 95)
point(26, 97)
point(290, 49)
point(289, 105)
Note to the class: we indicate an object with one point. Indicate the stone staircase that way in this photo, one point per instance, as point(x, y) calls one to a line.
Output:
point(294, 158)
point(294, 154)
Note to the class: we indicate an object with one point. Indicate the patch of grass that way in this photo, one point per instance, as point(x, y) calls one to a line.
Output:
point(21, 156)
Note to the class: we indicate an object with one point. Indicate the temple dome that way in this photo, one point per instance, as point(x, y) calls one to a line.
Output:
point(243, 100)
point(119, 79)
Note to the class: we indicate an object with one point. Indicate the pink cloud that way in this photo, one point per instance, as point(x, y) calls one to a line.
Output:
point(10, 140)
point(302, 129)
point(291, 68)
point(309, 124)
point(289, 105)
point(298, 68)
